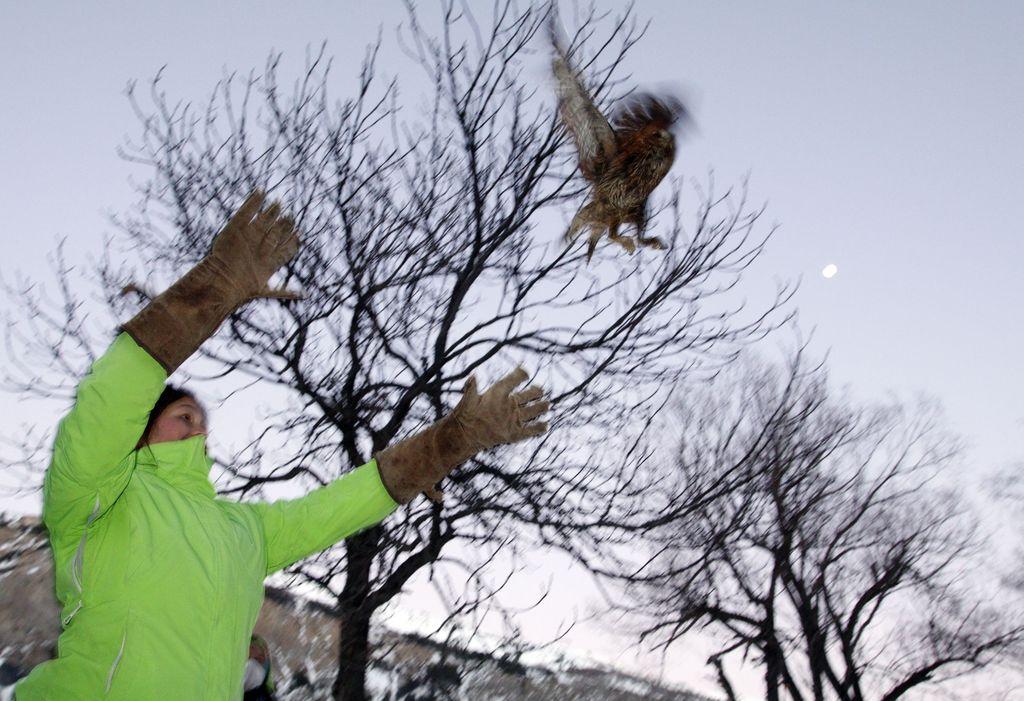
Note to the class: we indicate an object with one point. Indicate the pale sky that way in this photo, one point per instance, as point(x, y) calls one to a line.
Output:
point(887, 140)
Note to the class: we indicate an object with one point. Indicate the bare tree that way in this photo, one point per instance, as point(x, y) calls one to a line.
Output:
point(422, 263)
point(835, 559)
point(1006, 487)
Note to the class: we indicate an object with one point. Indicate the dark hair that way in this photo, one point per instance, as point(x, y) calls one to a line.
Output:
point(170, 395)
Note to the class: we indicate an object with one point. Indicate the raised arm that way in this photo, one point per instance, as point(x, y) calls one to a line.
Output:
point(244, 255)
point(88, 470)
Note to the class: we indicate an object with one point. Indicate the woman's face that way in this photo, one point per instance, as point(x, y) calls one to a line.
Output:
point(183, 418)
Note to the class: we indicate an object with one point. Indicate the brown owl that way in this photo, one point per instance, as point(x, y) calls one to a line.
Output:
point(623, 160)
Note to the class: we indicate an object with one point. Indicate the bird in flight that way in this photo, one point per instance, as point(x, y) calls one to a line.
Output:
point(623, 159)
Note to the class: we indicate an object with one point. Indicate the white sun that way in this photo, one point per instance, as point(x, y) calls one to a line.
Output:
point(829, 271)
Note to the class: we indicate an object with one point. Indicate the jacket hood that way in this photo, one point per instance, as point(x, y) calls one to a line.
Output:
point(182, 464)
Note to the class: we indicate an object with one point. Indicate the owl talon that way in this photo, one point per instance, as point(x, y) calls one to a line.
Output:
point(652, 242)
point(592, 246)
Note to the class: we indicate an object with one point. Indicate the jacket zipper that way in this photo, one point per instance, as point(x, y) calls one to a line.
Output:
point(76, 562)
point(117, 661)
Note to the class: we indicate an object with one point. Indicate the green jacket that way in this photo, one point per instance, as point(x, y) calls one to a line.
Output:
point(159, 580)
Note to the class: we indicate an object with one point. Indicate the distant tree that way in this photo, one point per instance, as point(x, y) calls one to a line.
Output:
point(835, 560)
point(422, 262)
point(1007, 489)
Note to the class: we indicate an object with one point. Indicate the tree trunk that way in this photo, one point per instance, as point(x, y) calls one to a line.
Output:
point(353, 657)
point(354, 633)
point(772, 673)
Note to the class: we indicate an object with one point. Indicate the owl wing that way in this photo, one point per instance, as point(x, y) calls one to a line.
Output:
point(593, 135)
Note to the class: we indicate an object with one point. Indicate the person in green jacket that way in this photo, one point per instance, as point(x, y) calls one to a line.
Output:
point(160, 581)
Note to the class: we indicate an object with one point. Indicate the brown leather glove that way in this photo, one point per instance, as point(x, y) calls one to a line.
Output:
point(244, 255)
point(478, 422)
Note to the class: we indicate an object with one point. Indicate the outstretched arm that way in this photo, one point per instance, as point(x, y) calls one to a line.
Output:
point(479, 422)
point(297, 528)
